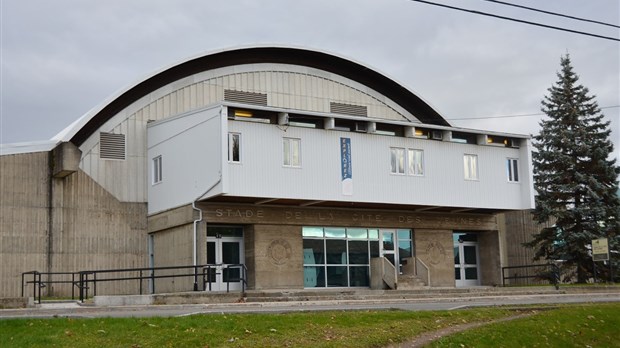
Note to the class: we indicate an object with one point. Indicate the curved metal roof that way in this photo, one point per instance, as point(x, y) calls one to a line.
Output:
point(80, 130)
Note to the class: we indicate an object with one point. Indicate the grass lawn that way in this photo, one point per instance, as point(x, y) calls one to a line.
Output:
point(315, 329)
point(569, 326)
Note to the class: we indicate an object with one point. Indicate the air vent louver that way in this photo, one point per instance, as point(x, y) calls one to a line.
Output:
point(348, 109)
point(112, 146)
point(245, 97)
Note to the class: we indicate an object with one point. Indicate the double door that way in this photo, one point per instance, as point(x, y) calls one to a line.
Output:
point(466, 260)
point(225, 259)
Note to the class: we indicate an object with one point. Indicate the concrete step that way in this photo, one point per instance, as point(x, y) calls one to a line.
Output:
point(410, 282)
point(306, 295)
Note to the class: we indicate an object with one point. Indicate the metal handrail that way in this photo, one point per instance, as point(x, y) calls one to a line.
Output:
point(553, 275)
point(39, 283)
point(88, 280)
point(206, 272)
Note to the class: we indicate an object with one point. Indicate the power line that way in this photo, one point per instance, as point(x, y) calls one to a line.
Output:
point(513, 116)
point(553, 13)
point(517, 20)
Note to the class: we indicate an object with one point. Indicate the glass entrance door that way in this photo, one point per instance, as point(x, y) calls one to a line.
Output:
point(396, 246)
point(466, 267)
point(388, 245)
point(225, 256)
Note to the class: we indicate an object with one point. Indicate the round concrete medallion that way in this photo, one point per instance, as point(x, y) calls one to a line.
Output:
point(279, 251)
point(436, 253)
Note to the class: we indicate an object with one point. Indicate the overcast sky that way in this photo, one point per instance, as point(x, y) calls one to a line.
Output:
point(61, 58)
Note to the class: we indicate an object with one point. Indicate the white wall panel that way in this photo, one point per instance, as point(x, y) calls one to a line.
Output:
point(262, 174)
point(190, 146)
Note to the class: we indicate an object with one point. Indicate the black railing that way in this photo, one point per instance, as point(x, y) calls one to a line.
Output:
point(38, 282)
point(86, 281)
point(531, 275)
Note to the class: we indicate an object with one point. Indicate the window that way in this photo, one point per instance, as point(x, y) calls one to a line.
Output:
point(397, 160)
point(234, 147)
point(512, 169)
point(413, 162)
point(340, 257)
point(292, 152)
point(470, 163)
point(157, 170)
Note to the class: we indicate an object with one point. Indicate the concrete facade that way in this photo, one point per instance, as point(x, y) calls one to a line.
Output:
point(63, 224)
point(434, 248)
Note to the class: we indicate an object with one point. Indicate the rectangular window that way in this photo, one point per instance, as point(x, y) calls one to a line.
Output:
point(415, 162)
point(157, 170)
point(512, 169)
point(234, 147)
point(292, 152)
point(397, 160)
point(470, 163)
point(340, 257)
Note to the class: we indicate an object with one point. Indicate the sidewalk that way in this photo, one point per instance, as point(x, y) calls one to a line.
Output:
point(447, 300)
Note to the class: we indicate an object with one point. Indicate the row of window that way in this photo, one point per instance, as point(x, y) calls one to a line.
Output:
point(291, 150)
point(411, 162)
point(403, 161)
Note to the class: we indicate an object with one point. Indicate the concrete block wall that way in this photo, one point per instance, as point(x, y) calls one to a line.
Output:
point(278, 253)
point(435, 249)
point(63, 224)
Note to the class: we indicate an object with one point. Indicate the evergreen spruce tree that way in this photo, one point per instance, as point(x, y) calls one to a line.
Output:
point(574, 177)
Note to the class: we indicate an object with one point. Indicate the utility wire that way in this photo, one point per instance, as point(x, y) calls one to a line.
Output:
point(517, 20)
point(512, 116)
point(553, 13)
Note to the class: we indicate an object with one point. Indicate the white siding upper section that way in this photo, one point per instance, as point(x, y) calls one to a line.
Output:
point(262, 174)
point(287, 86)
point(190, 149)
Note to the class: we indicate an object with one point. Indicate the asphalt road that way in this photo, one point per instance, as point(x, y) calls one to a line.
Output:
point(74, 310)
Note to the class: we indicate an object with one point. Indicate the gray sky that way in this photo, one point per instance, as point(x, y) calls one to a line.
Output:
point(61, 58)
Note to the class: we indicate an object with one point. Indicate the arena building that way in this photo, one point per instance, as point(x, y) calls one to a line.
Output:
point(283, 167)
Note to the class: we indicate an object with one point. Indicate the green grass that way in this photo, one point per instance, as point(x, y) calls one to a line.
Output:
point(568, 326)
point(311, 329)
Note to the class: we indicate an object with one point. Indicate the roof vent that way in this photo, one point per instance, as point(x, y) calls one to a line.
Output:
point(348, 109)
point(245, 97)
point(112, 146)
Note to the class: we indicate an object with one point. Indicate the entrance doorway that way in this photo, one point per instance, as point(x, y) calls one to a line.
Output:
point(396, 246)
point(466, 259)
point(225, 255)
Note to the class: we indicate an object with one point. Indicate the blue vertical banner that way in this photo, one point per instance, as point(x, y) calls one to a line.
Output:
point(346, 167)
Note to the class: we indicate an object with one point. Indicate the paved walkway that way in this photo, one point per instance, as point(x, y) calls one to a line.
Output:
point(75, 310)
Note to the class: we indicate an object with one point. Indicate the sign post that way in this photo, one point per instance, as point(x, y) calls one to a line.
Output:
point(600, 249)
point(600, 252)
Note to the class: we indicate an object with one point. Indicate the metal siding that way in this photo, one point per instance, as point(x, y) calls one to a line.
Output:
point(319, 177)
point(287, 86)
point(190, 150)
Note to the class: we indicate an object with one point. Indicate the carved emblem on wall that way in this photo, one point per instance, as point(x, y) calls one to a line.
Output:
point(436, 253)
point(279, 251)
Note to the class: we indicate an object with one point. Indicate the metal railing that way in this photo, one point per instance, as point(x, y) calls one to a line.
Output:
point(39, 283)
point(87, 281)
point(532, 274)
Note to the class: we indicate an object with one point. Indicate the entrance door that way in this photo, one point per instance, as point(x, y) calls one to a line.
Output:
point(225, 256)
point(466, 267)
point(388, 246)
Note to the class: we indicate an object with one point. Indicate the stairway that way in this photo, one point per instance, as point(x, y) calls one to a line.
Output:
point(410, 282)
